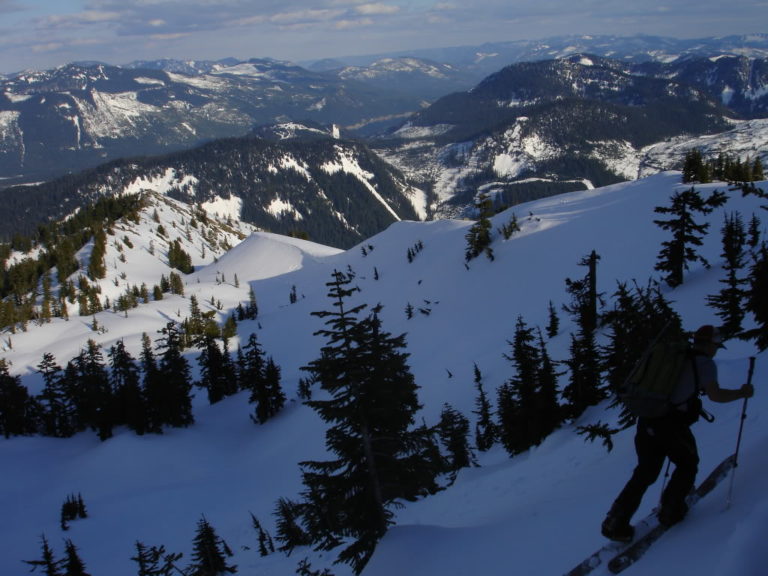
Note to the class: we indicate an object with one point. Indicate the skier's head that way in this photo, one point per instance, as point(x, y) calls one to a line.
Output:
point(708, 339)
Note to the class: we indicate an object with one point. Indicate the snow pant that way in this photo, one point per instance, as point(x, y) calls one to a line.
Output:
point(656, 440)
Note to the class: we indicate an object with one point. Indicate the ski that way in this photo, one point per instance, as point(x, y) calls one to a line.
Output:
point(640, 546)
point(610, 549)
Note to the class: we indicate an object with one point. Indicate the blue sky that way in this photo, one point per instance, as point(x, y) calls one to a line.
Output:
point(47, 33)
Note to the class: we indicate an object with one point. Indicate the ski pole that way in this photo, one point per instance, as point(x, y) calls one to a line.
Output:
point(741, 428)
point(664, 483)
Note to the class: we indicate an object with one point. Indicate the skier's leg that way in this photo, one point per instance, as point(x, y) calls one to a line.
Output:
point(683, 453)
point(650, 459)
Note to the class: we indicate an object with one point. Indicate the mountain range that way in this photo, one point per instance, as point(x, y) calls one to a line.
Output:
point(556, 119)
point(582, 120)
point(75, 116)
point(80, 116)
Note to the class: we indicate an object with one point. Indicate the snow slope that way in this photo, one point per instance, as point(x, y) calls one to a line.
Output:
point(535, 514)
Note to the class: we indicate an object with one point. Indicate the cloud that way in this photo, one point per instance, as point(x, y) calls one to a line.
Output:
point(353, 24)
point(376, 9)
point(79, 20)
point(138, 17)
point(171, 36)
point(7, 6)
point(124, 30)
point(47, 47)
point(53, 47)
point(305, 16)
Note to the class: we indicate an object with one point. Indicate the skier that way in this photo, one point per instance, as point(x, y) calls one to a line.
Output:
point(670, 437)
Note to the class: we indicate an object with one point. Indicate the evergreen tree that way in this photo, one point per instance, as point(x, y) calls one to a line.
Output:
point(251, 366)
point(94, 397)
point(519, 425)
point(230, 370)
point(584, 295)
point(251, 310)
point(553, 326)
point(728, 303)
point(81, 511)
point(694, 168)
point(70, 384)
point(676, 253)
point(623, 320)
point(8, 315)
point(97, 269)
point(268, 394)
point(130, 404)
point(479, 235)
point(548, 405)
point(753, 233)
point(153, 386)
point(73, 565)
point(757, 298)
point(229, 330)
point(178, 258)
point(508, 229)
point(210, 553)
point(144, 293)
point(49, 564)
point(194, 325)
point(64, 309)
point(266, 546)
point(485, 428)
point(57, 413)
point(175, 284)
point(45, 306)
point(64, 258)
point(16, 407)
point(289, 530)
point(584, 388)
point(154, 561)
point(68, 512)
point(72, 509)
point(757, 170)
point(453, 430)
point(372, 404)
point(174, 403)
point(214, 376)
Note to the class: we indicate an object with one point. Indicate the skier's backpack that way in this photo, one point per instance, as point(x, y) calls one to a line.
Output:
point(648, 390)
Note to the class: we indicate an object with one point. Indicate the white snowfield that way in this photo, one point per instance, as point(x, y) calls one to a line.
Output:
point(535, 514)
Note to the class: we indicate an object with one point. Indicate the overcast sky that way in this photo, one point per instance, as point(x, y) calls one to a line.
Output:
point(48, 33)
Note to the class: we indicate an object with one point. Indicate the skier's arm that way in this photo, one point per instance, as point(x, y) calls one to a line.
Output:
point(717, 394)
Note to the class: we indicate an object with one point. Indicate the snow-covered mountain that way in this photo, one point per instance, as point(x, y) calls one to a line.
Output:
point(540, 127)
point(537, 513)
point(529, 130)
point(59, 121)
point(77, 116)
point(490, 57)
point(291, 179)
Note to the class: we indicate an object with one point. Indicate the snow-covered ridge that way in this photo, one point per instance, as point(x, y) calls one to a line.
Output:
point(385, 67)
point(348, 164)
point(162, 184)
